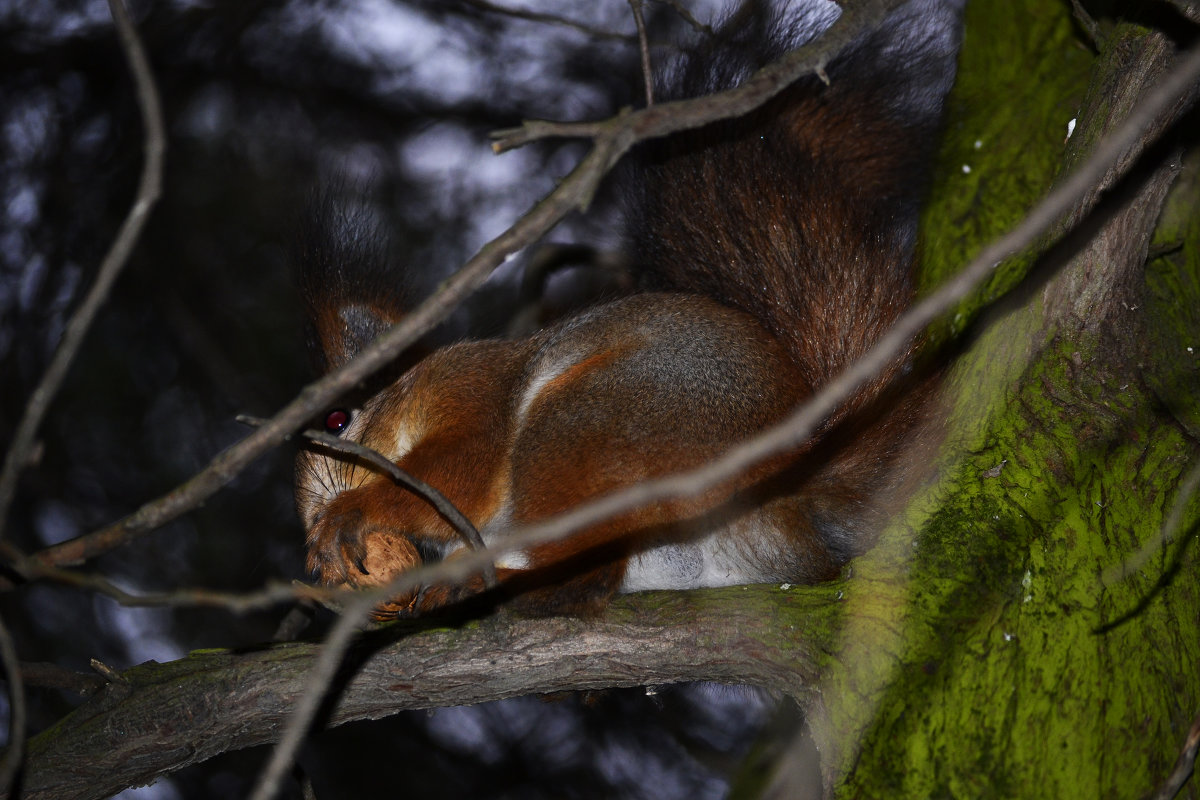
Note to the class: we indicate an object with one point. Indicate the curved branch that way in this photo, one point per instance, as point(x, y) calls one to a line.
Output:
point(613, 139)
point(639, 20)
point(149, 189)
point(680, 115)
point(549, 19)
point(1074, 194)
point(117, 738)
point(1069, 195)
point(440, 503)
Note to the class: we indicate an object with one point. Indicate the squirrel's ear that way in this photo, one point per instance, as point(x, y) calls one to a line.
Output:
point(346, 276)
point(336, 334)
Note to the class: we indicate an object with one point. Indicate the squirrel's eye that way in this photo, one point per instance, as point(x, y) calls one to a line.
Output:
point(337, 421)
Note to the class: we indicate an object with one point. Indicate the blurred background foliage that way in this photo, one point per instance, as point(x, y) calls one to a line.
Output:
point(390, 102)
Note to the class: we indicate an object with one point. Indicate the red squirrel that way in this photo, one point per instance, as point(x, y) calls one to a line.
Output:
point(770, 251)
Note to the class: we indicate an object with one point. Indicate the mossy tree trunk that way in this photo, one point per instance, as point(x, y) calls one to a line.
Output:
point(984, 648)
point(994, 646)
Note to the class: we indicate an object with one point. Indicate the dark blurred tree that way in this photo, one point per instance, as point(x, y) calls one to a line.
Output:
point(263, 101)
point(982, 657)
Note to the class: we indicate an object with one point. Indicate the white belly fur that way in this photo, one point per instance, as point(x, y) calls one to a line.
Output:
point(705, 562)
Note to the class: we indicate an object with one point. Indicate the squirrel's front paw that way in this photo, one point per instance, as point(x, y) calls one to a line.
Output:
point(344, 550)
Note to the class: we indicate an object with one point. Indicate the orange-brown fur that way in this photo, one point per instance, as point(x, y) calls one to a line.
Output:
point(773, 250)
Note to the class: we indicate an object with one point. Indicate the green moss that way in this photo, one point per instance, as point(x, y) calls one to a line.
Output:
point(982, 655)
point(1022, 73)
point(1172, 310)
point(1070, 684)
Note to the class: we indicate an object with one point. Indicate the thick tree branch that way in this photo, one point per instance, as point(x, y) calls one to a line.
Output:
point(160, 718)
point(1066, 194)
point(1137, 93)
point(1104, 279)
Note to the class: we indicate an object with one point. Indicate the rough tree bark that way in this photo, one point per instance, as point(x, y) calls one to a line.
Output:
point(158, 718)
point(977, 650)
point(985, 656)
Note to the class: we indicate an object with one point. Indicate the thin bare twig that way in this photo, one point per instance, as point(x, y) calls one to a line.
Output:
point(1184, 765)
point(306, 788)
point(105, 746)
point(644, 45)
point(109, 674)
point(620, 136)
point(462, 526)
point(687, 16)
point(270, 595)
point(679, 115)
point(315, 686)
point(1188, 8)
point(572, 192)
point(799, 425)
point(550, 19)
point(15, 753)
point(52, 676)
point(149, 189)
point(787, 434)
point(613, 139)
point(533, 130)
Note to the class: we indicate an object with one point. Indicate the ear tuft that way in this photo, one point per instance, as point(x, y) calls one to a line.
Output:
point(345, 271)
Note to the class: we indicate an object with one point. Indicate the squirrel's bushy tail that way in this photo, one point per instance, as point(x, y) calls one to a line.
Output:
point(773, 249)
point(805, 213)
